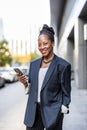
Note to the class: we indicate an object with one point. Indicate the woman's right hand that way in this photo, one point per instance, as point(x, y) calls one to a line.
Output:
point(23, 79)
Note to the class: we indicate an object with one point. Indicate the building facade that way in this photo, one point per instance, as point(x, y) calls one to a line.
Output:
point(1, 30)
point(69, 19)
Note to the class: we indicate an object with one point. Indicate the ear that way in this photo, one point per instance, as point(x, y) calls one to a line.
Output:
point(53, 43)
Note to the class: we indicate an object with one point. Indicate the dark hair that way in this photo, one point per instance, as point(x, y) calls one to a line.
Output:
point(48, 31)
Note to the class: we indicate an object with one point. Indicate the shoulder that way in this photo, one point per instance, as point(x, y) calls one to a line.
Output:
point(63, 63)
point(34, 62)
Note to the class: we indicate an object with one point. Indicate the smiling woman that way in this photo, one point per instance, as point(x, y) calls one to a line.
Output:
point(49, 86)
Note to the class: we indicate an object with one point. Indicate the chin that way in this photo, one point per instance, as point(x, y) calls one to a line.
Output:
point(45, 55)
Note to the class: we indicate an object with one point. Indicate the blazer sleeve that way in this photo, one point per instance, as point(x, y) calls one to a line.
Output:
point(29, 75)
point(66, 85)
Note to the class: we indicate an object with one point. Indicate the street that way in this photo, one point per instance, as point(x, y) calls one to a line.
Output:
point(12, 107)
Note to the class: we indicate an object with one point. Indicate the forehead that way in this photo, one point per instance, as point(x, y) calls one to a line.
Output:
point(43, 37)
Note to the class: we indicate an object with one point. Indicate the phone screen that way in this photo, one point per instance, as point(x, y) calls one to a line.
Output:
point(17, 70)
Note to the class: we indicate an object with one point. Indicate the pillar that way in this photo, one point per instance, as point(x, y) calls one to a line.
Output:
point(70, 50)
point(80, 55)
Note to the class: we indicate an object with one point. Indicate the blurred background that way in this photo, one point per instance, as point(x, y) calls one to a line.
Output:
point(20, 23)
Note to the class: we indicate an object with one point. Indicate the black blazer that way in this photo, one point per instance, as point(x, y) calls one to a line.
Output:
point(55, 91)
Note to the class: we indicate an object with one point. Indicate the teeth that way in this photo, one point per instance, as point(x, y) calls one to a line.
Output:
point(43, 51)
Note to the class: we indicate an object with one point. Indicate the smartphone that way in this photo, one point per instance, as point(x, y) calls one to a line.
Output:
point(17, 70)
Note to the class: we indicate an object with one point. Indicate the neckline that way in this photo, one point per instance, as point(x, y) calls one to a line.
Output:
point(49, 61)
point(46, 62)
point(44, 68)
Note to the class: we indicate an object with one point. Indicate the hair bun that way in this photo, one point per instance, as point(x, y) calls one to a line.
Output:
point(49, 29)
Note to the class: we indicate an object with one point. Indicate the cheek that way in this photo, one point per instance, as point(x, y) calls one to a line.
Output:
point(50, 48)
point(39, 49)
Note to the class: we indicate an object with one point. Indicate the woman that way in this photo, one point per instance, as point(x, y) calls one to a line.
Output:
point(50, 86)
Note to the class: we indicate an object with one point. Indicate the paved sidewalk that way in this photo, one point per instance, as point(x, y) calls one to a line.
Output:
point(77, 119)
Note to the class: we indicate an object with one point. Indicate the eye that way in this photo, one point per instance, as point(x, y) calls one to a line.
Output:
point(45, 43)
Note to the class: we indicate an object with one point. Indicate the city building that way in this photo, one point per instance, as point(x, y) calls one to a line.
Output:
point(1, 30)
point(22, 48)
point(69, 19)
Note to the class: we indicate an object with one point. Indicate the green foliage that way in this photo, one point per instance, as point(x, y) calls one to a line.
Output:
point(5, 56)
point(34, 55)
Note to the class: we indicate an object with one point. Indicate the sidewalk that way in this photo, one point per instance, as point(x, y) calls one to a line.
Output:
point(77, 119)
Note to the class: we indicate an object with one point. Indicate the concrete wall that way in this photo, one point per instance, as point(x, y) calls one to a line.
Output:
point(66, 15)
point(80, 55)
point(76, 49)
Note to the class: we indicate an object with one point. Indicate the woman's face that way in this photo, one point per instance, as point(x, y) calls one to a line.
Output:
point(45, 45)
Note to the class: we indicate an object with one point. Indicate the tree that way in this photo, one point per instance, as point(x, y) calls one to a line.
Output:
point(5, 55)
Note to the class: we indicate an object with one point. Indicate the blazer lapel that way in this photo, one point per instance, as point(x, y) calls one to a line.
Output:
point(36, 70)
point(49, 72)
